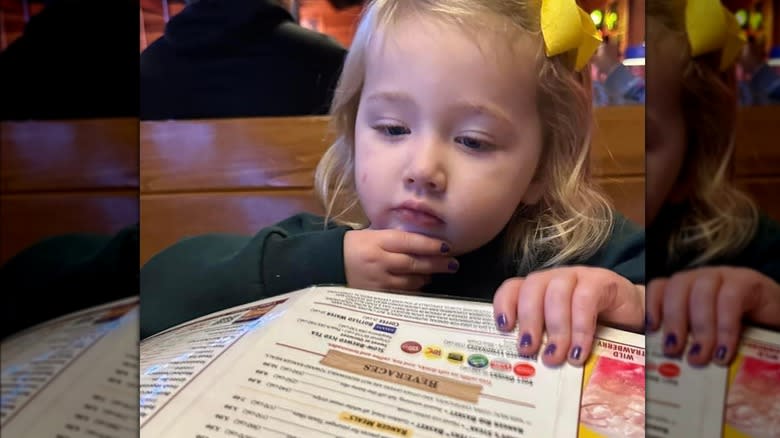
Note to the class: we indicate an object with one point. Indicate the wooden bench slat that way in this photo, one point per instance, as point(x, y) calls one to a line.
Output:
point(764, 190)
point(69, 155)
point(168, 218)
point(28, 218)
point(218, 154)
point(619, 141)
point(231, 153)
point(758, 141)
point(627, 195)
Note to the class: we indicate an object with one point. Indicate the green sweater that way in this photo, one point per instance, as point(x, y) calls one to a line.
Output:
point(762, 253)
point(208, 273)
point(67, 273)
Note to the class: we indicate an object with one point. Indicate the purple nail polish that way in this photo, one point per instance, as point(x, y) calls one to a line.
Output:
point(720, 353)
point(445, 247)
point(525, 340)
point(695, 349)
point(671, 340)
point(501, 321)
point(550, 350)
point(453, 266)
point(575, 352)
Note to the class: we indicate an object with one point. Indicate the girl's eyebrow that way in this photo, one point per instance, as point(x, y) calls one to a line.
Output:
point(462, 105)
point(482, 108)
point(391, 96)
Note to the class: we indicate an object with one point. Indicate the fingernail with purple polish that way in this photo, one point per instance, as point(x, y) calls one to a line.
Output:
point(695, 349)
point(525, 340)
point(720, 353)
point(575, 352)
point(445, 247)
point(501, 321)
point(453, 266)
point(550, 350)
point(671, 340)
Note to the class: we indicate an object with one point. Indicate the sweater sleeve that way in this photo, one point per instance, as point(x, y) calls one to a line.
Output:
point(624, 252)
point(763, 253)
point(208, 273)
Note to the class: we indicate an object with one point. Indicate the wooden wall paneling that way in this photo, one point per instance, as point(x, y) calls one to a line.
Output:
point(320, 16)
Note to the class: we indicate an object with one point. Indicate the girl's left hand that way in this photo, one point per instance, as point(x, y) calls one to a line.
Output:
point(710, 303)
point(567, 303)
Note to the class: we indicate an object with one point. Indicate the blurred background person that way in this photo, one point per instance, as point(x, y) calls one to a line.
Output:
point(759, 83)
point(238, 58)
point(614, 82)
point(74, 59)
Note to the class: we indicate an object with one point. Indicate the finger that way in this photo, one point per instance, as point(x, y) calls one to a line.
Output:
point(557, 316)
point(653, 303)
point(530, 313)
point(764, 307)
point(733, 298)
point(408, 282)
point(505, 303)
point(702, 305)
point(406, 264)
point(675, 312)
point(584, 316)
point(404, 242)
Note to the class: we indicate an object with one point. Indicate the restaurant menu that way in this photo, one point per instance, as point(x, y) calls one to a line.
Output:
point(74, 376)
point(753, 397)
point(334, 361)
point(613, 398)
point(171, 359)
point(739, 401)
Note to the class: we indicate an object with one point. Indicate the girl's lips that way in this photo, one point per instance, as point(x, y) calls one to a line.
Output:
point(417, 217)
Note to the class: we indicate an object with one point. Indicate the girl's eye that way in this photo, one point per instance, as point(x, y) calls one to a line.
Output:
point(393, 130)
point(472, 143)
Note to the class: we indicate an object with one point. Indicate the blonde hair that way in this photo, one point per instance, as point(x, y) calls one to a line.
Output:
point(720, 219)
point(572, 220)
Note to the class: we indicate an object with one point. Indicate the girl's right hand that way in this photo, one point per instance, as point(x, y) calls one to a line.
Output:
point(394, 259)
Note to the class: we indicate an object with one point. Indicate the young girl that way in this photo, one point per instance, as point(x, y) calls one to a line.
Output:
point(460, 168)
point(712, 258)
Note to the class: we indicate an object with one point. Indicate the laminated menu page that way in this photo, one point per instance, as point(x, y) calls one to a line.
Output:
point(73, 376)
point(753, 395)
point(613, 397)
point(171, 359)
point(336, 361)
point(738, 401)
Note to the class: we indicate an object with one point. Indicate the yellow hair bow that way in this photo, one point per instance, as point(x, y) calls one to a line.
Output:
point(566, 27)
point(711, 27)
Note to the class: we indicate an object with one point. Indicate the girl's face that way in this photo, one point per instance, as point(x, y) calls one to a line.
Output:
point(447, 138)
point(665, 135)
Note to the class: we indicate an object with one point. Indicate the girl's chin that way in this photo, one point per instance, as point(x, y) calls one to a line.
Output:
point(407, 228)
